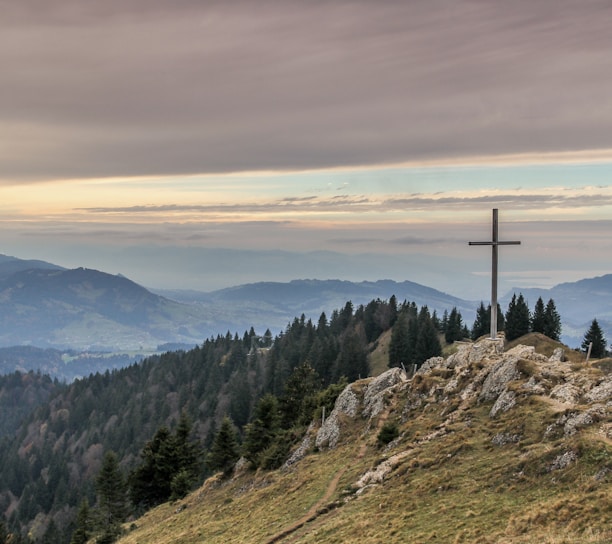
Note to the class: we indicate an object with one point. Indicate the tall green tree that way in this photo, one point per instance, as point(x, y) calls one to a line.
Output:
point(538, 319)
point(596, 336)
point(297, 403)
point(225, 450)
point(263, 430)
point(517, 318)
point(454, 327)
point(552, 321)
point(400, 350)
point(84, 525)
point(428, 343)
point(111, 489)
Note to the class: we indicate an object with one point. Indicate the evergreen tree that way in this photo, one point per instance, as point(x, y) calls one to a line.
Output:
point(552, 321)
point(297, 401)
point(454, 327)
point(224, 451)
point(352, 361)
point(84, 526)
point(596, 336)
point(517, 318)
point(428, 343)
point(112, 498)
point(538, 320)
point(400, 350)
point(263, 430)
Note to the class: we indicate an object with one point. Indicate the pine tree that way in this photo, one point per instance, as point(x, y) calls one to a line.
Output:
point(83, 530)
point(552, 321)
point(596, 336)
point(517, 318)
point(400, 350)
point(263, 430)
point(224, 451)
point(482, 323)
point(112, 498)
point(454, 327)
point(538, 320)
point(428, 343)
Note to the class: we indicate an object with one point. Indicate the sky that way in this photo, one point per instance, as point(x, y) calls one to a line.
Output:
point(204, 144)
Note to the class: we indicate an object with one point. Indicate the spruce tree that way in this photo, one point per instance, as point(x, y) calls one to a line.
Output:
point(428, 343)
point(454, 327)
point(399, 347)
point(83, 530)
point(224, 451)
point(517, 318)
point(595, 335)
point(538, 320)
point(552, 321)
point(482, 323)
point(111, 488)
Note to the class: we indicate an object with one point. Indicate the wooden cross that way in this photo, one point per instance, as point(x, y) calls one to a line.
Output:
point(494, 243)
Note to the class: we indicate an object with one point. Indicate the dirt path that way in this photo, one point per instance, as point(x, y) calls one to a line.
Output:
point(318, 508)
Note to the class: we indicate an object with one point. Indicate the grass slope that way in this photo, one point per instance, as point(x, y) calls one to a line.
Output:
point(449, 483)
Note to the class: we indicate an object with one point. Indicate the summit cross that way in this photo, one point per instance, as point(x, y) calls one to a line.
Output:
point(494, 243)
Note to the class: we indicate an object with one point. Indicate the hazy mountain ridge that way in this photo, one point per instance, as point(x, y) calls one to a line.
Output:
point(49, 306)
point(577, 303)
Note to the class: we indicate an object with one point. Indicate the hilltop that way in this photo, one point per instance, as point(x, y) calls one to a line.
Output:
point(481, 446)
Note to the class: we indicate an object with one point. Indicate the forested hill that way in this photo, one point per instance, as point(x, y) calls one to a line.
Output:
point(51, 461)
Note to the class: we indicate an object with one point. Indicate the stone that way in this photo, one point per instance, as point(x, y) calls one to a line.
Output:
point(374, 396)
point(504, 402)
point(329, 433)
point(502, 372)
point(566, 392)
point(562, 461)
point(601, 392)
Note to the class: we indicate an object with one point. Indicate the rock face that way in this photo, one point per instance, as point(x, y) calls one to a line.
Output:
point(481, 373)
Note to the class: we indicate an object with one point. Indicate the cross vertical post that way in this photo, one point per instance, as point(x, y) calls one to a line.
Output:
point(494, 243)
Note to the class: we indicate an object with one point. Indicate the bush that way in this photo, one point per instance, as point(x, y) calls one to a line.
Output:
point(388, 433)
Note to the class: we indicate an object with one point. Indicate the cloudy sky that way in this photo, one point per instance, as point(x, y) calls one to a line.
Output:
point(202, 144)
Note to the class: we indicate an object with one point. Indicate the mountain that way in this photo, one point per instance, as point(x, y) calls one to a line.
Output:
point(273, 304)
point(483, 446)
point(88, 309)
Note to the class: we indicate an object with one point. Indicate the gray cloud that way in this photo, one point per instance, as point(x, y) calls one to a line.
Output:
point(360, 204)
point(157, 87)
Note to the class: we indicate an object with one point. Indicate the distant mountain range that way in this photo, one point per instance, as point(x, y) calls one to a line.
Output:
point(45, 305)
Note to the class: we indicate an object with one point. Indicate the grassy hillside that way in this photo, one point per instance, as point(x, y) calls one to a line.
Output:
point(512, 448)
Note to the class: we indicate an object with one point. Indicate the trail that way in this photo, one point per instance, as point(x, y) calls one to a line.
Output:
point(319, 508)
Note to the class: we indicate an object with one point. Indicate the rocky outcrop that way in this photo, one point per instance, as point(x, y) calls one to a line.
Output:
point(346, 404)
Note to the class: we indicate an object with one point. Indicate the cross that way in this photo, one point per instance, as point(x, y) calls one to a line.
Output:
point(494, 243)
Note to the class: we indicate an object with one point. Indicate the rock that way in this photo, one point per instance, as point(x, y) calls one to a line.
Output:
point(329, 434)
point(558, 356)
point(503, 371)
point(503, 403)
point(562, 461)
point(501, 439)
point(601, 392)
point(301, 450)
point(579, 420)
point(566, 392)
point(374, 396)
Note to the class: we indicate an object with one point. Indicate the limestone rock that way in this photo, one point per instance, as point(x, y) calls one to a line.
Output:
point(348, 404)
point(504, 402)
point(558, 356)
point(566, 392)
point(562, 461)
point(373, 399)
point(601, 392)
point(503, 371)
